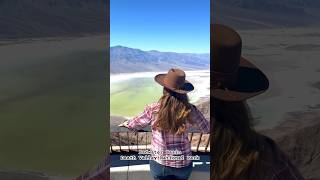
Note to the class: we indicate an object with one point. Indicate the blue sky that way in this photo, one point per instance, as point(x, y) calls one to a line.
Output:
point(164, 25)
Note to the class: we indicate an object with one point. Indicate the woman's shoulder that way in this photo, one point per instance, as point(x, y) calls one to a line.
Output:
point(153, 106)
point(195, 111)
point(271, 152)
point(270, 147)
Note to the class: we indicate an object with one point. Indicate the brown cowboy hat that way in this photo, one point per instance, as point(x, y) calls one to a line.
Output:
point(175, 80)
point(233, 77)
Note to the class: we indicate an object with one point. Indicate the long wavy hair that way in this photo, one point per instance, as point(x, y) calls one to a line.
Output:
point(236, 146)
point(173, 114)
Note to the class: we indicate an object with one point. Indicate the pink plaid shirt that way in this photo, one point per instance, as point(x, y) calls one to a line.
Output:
point(169, 149)
point(277, 164)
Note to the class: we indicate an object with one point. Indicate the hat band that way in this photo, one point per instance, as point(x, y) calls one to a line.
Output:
point(226, 78)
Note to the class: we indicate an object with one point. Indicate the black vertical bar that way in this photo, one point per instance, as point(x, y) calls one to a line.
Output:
point(119, 141)
point(199, 142)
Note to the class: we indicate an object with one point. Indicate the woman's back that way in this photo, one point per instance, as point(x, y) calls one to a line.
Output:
point(170, 119)
point(168, 148)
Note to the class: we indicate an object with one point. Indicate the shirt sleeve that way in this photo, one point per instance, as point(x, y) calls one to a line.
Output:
point(288, 172)
point(200, 120)
point(141, 121)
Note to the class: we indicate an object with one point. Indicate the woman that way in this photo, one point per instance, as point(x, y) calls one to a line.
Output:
point(170, 119)
point(238, 151)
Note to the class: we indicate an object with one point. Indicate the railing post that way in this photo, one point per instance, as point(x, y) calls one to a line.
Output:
point(199, 142)
point(119, 141)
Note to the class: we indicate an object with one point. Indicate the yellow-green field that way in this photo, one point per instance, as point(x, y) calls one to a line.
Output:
point(128, 98)
point(52, 107)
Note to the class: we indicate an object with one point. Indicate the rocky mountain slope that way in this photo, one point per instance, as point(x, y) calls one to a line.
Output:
point(299, 137)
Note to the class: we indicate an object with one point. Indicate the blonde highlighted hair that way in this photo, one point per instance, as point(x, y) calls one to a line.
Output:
point(174, 112)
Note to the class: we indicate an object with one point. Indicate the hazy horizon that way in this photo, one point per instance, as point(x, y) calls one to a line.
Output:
point(142, 49)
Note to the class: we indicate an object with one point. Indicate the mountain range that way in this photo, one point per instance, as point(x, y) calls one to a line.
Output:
point(248, 14)
point(50, 18)
point(125, 59)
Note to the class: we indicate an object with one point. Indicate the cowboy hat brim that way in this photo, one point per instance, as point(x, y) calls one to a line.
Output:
point(250, 82)
point(187, 87)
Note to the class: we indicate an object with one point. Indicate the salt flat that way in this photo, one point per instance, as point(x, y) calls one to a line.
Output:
point(290, 58)
point(131, 92)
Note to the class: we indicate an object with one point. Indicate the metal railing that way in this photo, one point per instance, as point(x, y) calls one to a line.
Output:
point(132, 142)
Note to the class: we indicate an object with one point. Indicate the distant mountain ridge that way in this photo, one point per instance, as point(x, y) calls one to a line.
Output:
point(125, 60)
point(248, 14)
point(273, 4)
point(50, 18)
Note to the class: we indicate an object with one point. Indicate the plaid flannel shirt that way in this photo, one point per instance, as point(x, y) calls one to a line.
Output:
point(165, 145)
point(277, 164)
